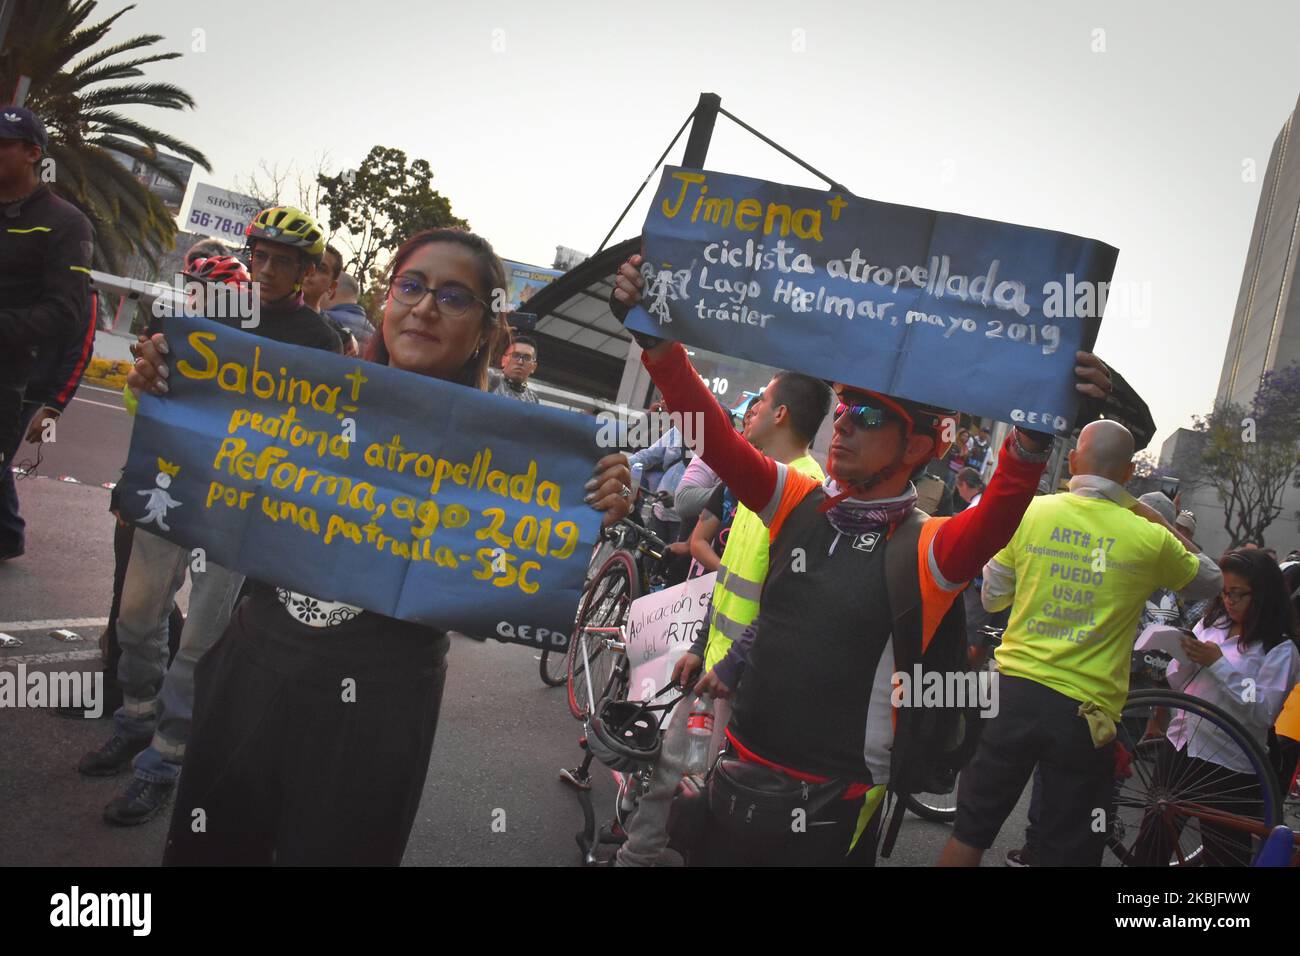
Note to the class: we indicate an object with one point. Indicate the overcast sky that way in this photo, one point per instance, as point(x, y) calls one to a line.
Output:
point(541, 119)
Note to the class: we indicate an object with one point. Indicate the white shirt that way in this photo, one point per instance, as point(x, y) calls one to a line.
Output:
point(1248, 684)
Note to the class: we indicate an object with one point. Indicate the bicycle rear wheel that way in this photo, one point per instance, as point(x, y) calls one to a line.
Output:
point(604, 604)
point(935, 807)
point(554, 668)
point(1207, 802)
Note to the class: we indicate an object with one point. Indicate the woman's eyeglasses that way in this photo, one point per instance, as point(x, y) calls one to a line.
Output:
point(864, 416)
point(1236, 597)
point(452, 300)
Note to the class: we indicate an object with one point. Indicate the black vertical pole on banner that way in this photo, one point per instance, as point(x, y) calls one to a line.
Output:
point(697, 144)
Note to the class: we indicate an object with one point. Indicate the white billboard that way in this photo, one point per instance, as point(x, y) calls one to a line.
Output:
point(220, 213)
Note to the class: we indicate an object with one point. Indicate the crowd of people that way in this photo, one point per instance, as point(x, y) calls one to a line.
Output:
point(829, 584)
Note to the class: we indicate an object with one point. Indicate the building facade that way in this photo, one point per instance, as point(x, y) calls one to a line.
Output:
point(1265, 335)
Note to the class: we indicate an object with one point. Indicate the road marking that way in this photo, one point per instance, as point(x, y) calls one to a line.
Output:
point(32, 659)
point(71, 624)
point(100, 404)
point(107, 391)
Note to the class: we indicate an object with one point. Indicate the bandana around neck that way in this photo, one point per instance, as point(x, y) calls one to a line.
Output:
point(855, 516)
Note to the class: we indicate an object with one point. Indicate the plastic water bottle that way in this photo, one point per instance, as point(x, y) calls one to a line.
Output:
point(699, 733)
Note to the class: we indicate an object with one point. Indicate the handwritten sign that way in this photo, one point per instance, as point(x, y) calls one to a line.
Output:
point(354, 482)
point(963, 313)
point(661, 627)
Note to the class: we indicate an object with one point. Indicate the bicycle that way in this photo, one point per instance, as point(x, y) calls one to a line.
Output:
point(941, 806)
point(625, 736)
point(596, 648)
point(1165, 804)
point(1178, 810)
point(622, 536)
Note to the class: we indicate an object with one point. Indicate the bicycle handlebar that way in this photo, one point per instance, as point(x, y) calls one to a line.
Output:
point(650, 537)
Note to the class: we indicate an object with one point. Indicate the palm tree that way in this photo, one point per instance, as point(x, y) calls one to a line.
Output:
point(76, 100)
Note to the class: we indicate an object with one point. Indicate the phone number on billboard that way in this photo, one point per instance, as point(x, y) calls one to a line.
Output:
point(207, 220)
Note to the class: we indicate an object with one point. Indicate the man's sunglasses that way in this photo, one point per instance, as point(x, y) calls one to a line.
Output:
point(452, 300)
point(864, 416)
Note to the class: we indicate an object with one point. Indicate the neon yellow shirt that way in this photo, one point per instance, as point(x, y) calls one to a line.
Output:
point(744, 561)
point(1084, 568)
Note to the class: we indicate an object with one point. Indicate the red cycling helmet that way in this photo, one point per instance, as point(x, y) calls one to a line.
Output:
point(219, 269)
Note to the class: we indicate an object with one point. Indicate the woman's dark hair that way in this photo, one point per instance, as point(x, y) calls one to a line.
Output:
point(492, 275)
point(1270, 617)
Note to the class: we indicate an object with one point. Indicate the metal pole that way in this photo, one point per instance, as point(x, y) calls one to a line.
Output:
point(697, 144)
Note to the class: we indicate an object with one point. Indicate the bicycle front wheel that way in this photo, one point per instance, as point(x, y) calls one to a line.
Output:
point(604, 604)
point(1192, 788)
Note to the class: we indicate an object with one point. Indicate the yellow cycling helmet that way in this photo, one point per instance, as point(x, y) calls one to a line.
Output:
point(290, 227)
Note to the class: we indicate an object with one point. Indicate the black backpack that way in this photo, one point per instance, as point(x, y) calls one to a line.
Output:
point(931, 744)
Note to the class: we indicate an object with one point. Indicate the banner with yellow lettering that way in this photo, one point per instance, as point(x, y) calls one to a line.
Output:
point(963, 313)
point(353, 482)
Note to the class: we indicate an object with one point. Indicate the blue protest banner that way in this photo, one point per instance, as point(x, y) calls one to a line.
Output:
point(354, 482)
point(964, 313)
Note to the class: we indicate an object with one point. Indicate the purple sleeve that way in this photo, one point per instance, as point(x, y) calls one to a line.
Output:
point(731, 668)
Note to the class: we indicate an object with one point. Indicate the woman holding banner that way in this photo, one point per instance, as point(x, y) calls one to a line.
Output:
point(286, 766)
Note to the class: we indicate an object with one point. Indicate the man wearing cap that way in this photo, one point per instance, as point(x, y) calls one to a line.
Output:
point(45, 252)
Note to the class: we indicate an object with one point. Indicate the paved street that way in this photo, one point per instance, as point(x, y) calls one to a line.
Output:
point(501, 738)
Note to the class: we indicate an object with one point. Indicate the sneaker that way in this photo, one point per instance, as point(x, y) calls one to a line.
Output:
point(112, 758)
point(1022, 857)
point(141, 802)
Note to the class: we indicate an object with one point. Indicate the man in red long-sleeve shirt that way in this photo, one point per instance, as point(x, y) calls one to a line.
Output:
point(814, 702)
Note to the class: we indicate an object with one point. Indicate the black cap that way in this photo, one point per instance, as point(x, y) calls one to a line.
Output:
point(18, 122)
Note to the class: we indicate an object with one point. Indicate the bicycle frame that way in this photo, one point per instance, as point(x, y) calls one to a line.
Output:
point(618, 646)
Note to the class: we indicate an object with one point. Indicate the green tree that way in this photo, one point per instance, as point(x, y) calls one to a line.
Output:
point(381, 203)
point(1251, 456)
point(76, 87)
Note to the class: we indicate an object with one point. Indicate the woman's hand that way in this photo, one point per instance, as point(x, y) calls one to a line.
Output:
point(610, 490)
point(1203, 653)
point(150, 372)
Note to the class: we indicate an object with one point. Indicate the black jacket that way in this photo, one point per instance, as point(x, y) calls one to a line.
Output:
point(46, 245)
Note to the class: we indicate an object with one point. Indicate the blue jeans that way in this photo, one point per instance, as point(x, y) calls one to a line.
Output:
point(157, 700)
point(15, 414)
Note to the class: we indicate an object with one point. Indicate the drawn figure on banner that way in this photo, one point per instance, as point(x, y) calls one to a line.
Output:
point(663, 287)
point(158, 500)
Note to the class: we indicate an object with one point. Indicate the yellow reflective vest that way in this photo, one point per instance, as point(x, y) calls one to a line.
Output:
point(740, 578)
